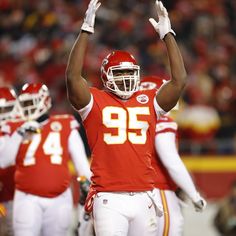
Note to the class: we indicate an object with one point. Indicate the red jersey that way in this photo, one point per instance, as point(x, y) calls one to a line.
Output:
point(121, 137)
point(163, 180)
point(7, 185)
point(42, 160)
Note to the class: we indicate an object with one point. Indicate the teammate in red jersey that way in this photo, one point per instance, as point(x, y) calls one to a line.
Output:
point(120, 124)
point(9, 111)
point(41, 149)
point(171, 172)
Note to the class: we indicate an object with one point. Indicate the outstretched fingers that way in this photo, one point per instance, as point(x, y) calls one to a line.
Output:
point(161, 10)
point(153, 22)
point(98, 5)
point(94, 4)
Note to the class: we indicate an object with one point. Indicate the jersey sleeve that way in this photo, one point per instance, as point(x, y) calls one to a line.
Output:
point(10, 141)
point(159, 111)
point(169, 156)
point(9, 149)
point(85, 110)
point(78, 154)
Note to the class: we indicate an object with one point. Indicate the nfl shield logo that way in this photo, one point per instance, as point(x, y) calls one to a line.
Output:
point(105, 201)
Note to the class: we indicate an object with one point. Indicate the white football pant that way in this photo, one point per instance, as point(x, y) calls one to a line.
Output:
point(34, 215)
point(171, 224)
point(85, 223)
point(126, 214)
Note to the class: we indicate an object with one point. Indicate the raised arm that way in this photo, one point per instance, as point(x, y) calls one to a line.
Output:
point(168, 95)
point(77, 88)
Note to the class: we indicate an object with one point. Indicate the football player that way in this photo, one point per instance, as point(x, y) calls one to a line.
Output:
point(43, 146)
point(9, 111)
point(120, 123)
point(171, 172)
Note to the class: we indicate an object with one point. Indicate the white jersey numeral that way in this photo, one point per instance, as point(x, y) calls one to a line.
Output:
point(134, 123)
point(29, 157)
point(122, 123)
point(51, 146)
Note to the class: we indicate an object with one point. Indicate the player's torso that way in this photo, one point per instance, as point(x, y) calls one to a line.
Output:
point(121, 135)
point(162, 179)
point(42, 160)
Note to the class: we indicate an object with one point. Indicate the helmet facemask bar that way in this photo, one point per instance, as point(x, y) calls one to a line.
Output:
point(123, 80)
point(7, 110)
point(34, 105)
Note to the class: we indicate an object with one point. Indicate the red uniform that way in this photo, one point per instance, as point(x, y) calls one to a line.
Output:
point(163, 180)
point(7, 185)
point(120, 136)
point(47, 151)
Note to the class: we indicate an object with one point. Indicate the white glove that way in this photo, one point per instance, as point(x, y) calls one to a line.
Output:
point(89, 19)
point(29, 126)
point(199, 203)
point(163, 26)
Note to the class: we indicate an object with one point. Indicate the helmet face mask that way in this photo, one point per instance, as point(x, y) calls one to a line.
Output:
point(120, 74)
point(9, 106)
point(35, 101)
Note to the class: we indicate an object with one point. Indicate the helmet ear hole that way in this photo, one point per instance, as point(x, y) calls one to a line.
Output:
point(120, 74)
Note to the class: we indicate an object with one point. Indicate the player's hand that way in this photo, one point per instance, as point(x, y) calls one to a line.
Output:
point(84, 184)
point(199, 203)
point(29, 127)
point(163, 26)
point(90, 14)
point(182, 197)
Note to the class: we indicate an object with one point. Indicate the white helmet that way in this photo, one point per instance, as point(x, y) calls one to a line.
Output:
point(35, 100)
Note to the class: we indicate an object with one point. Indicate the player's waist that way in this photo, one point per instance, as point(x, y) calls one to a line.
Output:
point(124, 189)
point(128, 193)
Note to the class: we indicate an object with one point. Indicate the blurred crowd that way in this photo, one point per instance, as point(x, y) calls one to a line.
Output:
point(36, 36)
